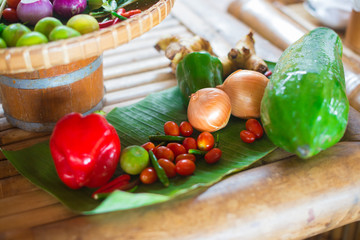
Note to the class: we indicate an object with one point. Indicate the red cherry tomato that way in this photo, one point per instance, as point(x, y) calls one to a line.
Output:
point(186, 129)
point(164, 152)
point(188, 156)
point(205, 141)
point(168, 166)
point(189, 143)
point(176, 148)
point(185, 167)
point(148, 175)
point(148, 146)
point(213, 155)
point(12, 3)
point(247, 136)
point(9, 14)
point(171, 128)
point(255, 127)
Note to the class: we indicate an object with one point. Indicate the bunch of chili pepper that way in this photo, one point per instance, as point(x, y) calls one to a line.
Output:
point(120, 15)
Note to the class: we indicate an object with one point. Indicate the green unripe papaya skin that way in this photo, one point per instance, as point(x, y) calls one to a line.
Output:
point(305, 109)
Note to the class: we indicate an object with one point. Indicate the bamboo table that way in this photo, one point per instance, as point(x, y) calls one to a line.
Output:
point(285, 198)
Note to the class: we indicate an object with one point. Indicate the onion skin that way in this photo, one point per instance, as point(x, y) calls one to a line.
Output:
point(69, 8)
point(209, 109)
point(32, 11)
point(246, 90)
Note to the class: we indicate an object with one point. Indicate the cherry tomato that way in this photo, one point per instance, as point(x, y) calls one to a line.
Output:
point(164, 152)
point(171, 128)
point(168, 166)
point(186, 129)
point(148, 175)
point(12, 3)
point(205, 141)
point(188, 156)
point(148, 146)
point(213, 155)
point(177, 148)
point(255, 127)
point(189, 143)
point(247, 136)
point(10, 15)
point(185, 167)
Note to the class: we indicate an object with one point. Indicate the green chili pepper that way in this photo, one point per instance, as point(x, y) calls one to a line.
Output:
point(197, 152)
point(196, 71)
point(166, 138)
point(159, 170)
point(118, 16)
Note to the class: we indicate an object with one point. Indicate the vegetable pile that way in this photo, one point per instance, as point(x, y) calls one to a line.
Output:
point(221, 122)
point(32, 22)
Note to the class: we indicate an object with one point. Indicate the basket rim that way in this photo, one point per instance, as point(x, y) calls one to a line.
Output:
point(44, 56)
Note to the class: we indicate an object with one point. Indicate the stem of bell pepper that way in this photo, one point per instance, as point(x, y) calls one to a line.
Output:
point(159, 170)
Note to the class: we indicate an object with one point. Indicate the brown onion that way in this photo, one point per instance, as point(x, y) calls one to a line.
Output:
point(209, 109)
point(246, 90)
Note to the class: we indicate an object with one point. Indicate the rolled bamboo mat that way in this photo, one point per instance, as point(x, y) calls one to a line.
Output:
point(283, 29)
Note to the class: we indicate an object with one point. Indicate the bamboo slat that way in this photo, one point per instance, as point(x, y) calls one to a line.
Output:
point(252, 202)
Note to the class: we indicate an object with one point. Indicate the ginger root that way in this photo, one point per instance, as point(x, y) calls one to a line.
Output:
point(177, 48)
point(243, 56)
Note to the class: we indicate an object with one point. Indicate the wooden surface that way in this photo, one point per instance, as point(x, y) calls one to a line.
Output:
point(286, 198)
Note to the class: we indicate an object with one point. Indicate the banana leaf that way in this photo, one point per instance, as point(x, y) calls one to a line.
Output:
point(134, 124)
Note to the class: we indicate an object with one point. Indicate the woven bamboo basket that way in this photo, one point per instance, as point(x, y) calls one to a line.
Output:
point(40, 84)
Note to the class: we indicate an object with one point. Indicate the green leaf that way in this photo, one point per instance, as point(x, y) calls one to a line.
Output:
point(134, 124)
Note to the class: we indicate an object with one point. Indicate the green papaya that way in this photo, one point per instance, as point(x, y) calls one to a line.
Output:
point(305, 109)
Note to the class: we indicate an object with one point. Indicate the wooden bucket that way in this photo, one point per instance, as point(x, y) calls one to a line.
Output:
point(34, 101)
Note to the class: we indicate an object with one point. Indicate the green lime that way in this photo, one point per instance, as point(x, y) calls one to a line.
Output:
point(134, 159)
point(2, 43)
point(46, 25)
point(31, 38)
point(83, 23)
point(13, 32)
point(63, 32)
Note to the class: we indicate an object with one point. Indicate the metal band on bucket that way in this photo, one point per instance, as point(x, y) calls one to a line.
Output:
point(43, 127)
point(61, 80)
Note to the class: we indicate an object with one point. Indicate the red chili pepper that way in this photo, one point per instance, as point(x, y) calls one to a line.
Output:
point(268, 73)
point(131, 13)
point(85, 150)
point(122, 185)
point(106, 23)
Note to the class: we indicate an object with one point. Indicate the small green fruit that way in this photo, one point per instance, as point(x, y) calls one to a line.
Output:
point(31, 38)
point(2, 43)
point(83, 23)
point(46, 25)
point(63, 32)
point(13, 32)
point(134, 159)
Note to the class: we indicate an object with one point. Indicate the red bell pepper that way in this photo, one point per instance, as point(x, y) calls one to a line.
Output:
point(85, 150)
